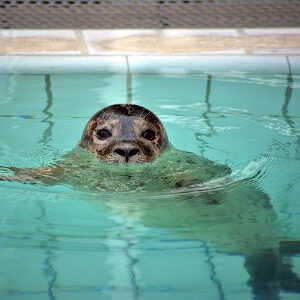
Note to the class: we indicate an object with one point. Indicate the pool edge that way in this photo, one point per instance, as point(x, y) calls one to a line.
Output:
point(149, 64)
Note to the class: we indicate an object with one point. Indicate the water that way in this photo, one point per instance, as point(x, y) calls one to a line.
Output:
point(64, 242)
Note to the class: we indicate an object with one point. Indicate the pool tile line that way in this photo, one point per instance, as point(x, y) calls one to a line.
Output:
point(47, 134)
point(213, 274)
point(49, 269)
point(206, 118)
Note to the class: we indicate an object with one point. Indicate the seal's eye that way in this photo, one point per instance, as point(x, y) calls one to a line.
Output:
point(148, 134)
point(103, 134)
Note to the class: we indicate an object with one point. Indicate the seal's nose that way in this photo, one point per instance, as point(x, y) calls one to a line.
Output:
point(127, 152)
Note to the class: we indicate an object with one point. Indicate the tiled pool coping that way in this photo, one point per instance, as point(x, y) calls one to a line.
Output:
point(149, 65)
point(234, 41)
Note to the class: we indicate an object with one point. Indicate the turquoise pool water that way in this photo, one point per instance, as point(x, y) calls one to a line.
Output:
point(61, 243)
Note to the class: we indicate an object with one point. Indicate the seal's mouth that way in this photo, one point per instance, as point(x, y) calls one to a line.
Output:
point(125, 153)
point(126, 156)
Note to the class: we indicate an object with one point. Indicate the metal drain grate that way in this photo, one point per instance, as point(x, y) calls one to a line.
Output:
point(107, 14)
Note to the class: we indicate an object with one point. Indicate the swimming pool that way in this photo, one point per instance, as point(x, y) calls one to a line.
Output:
point(61, 243)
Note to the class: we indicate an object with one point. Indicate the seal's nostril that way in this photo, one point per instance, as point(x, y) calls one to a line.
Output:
point(134, 151)
point(127, 152)
point(120, 152)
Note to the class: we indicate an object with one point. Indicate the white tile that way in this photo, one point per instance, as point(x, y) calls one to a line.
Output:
point(283, 51)
point(272, 31)
point(121, 52)
point(93, 37)
point(62, 34)
point(200, 32)
point(63, 52)
point(219, 52)
point(104, 35)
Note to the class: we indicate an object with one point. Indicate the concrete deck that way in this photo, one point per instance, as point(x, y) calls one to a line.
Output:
point(282, 41)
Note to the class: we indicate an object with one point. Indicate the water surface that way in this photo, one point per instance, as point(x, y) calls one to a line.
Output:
point(59, 242)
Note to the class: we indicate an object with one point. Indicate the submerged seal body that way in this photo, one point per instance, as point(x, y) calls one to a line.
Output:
point(125, 134)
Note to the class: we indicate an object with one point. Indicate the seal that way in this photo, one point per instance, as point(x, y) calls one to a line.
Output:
point(125, 133)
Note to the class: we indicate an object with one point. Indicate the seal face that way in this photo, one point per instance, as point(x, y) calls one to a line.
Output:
point(125, 133)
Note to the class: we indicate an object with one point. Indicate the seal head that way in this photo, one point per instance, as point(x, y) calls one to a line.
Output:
point(125, 133)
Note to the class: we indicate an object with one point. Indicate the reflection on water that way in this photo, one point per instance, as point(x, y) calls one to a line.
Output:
point(224, 237)
point(205, 115)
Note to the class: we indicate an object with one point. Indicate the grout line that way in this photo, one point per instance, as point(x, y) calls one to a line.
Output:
point(128, 82)
point(88, 44)
point(81, 41)
point(240, 32)
point(127, 63)
point(289, 64)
